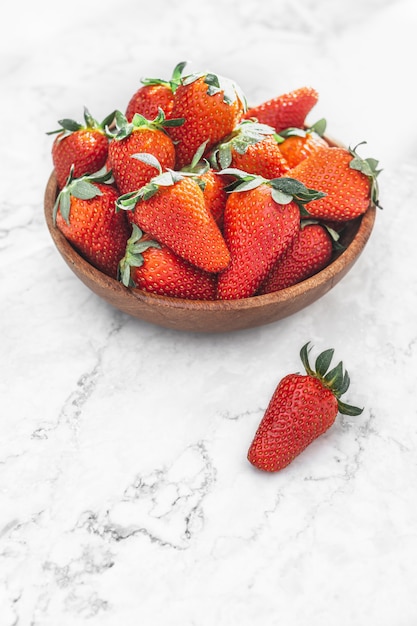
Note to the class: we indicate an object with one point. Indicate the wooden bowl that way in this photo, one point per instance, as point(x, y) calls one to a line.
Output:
point(212, 316)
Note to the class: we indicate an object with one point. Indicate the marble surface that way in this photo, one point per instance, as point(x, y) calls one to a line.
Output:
point(125, 493)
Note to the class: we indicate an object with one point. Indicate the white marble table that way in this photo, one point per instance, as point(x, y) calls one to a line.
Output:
point(125, 494)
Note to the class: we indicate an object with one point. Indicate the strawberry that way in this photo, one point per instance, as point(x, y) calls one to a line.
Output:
point(297, 144)
point(285, 111)
point(260, 220)
point(85, 213)
point(154, 94)
point(171, 208)
point(253, 148)
point(349, 182)
point(301, 409)
point(84, 146)
point(153, 267)
point(211, 182)
point(211, 106)
point(310, 251)
point(140, 135)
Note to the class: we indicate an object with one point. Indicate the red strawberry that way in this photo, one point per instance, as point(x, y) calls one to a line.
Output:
point(172, 209)
point(211, 106)
point(85, 213)
point(154, 94)
point(309, 252)
point(83, 146)
point(285, 111)
point(153, 267)
point(211, 182)
point(348, 181)
point(302, 408)
point(260, 220)
point(139, 136)
point(253, 148)
point(298, 143)
point(215, 195)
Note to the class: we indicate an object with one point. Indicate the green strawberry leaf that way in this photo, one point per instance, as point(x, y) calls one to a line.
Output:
point(175, 81)
point(198, 154)
point(294, 188)
point(70, 125)
point(123, 127)
point(167, 179)
point(101, 176)
point(108, 120)
point(348, 409)
point(134, 255)
point(244, 181)
point(334, 378)
point(323, 362)
point(148, 159)
point(127, 201)
point(63, 203)
point(90, 122)
point(345, 384)
point(292, 132)
point(173, 122)
point(84, 190)
point(224, 155)
point(304, 356)
point(280, 197)
point(319, 127)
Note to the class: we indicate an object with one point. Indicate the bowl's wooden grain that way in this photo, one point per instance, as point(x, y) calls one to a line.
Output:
point(206, 316)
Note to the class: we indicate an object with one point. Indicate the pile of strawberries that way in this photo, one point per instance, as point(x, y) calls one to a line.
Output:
point(190, 193)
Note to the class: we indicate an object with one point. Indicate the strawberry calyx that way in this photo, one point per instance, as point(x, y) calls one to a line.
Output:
point(219, 84)
point(283, 190)
point(369, 168)
point(247, 133)
point(172, 84)
point(319, 128)
point(83, 188)
point(69, 126)
point(124, 128)
point(336, 379)
point(135, 247)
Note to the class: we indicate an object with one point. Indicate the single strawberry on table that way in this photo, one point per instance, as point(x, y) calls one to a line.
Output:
point(309, 252)
point(83, 146)
point(302, 408)
point(211, 107)
point(348, 182)
point(285, 111)
point(172, 209)
point(153, 267)
point(261, 219)
point(296, 144)
point(154, 94)
point(253, 148)
point(85, 213)
point(139, 135)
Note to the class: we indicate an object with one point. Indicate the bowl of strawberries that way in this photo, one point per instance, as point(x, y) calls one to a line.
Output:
point(194, 211)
